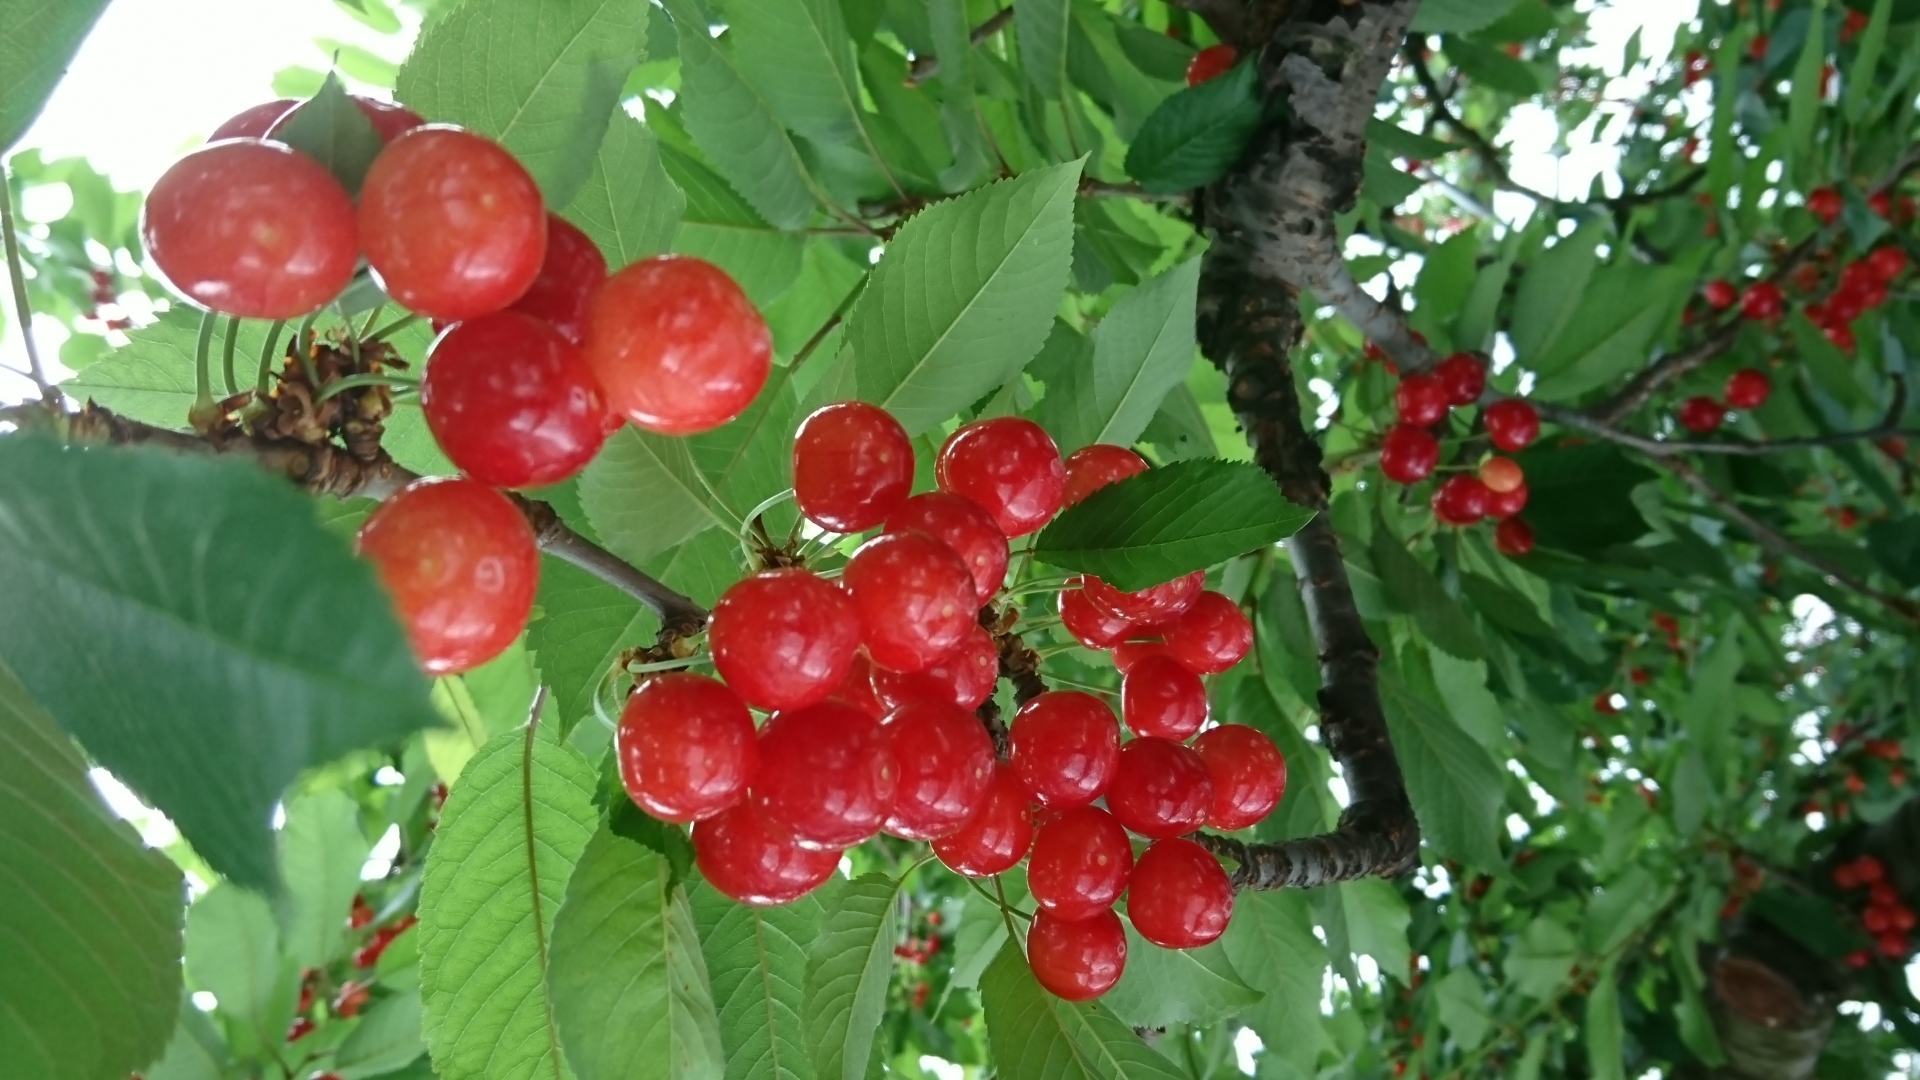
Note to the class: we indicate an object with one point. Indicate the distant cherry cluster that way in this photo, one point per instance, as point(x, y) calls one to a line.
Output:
point(1885, 917)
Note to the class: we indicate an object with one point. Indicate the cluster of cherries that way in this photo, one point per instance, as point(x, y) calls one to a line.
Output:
point(1498, 488)
point(871, 683)
point(1861, 286)
point(352, 995)
point(1888, 919)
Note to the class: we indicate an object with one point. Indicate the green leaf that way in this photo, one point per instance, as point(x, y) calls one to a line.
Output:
point(758, 960)
point(1814, 921)
point(233, 953)
point(196, 1051)
point(37, 41)
point(1622, 311)
point(1270, 941)
point(509, 836)
point(1553, 291)
point(1622, 908)
point(89, 918)
point(322, 849)
point(1377, 920)
point(628, 205)
point(1196, 135)
point(629, 984)
point(1400, 142)
point(332, 130)
point(1463, 1007)
point(1036, 1036)
point(1895, 544)
point(1457, 16)
point(848, 966)
point(1141, 351)
point(1858, 86)
point(644, 496)
point(798, 55)
point(1163, 987)
point(585, 625)
point(1491, 68)
point(1173, 520)
point(1455, 786)
point(722, 228)
point(1605, 1033)
point(162, 608)
point(1542, 959)
point(964, 296)
point(1804, 102)
point(387, 1038)
point(1580, 497)
point(542, 79)
point(150, 378)
point(1414, 590)
point(1043, 27)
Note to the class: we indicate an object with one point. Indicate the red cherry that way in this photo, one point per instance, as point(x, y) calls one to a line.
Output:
point(678, 347)
point(1888, 262)
point(299, 1029)
point(1161, 788)
point(1869, 869)
point(997, 836)
point(1210, 63)
point(1501, 474)
point(1763, 300)
point(388, 119)
point(915, 599)
point(1421, 400)
point(1841, 336)
point(1513, 537)
point(1159, 696)
point(1701, 414)
point(946, 769)
point(962, 525)
point(1180, 898)
point(253, 122)
point(963, 678)
point(1128, 654)
point(852, 466)
point(1088, 624)
point(251, 229)
point(1880, 204)
point(1825, 203)
point(1154, 604)
point(857, 688)
point(461, 566)
point(826, 775)
point(1079, 863)
point(511, 401)
point(1009, 466)
point(1505, 504)
point(687, 747)
point(1463, 376)
point(1066, 745)
point(1892, 945)
point(1844, 306)
point(753, 862)
point(570, 277)
point(783, 638)
point(1091, 468)
point(1511, 425)
point(1748, 389)
point(1078, 960)
point(1720, 294)
point(1211, 636)
point(1409, 454)
point(452, 224)
point(1249, 774)
point(1461, 501)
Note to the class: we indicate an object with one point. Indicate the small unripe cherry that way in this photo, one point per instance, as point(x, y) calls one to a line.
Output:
point(1464, 376)
point(1010, 466)
point(1501, 474)
point(916, 600)
point(1461, 500)
point(1089, 625)
point(997, 836)
point(1066, 745)
point(1159, 696)
point(1181, 897)
point(1249, 774)
point(1093, 467)
point(1513, 537)
point(1748, 389)
point(1211, 636)
point(783, 638)
point(1409, 454)
point(1511, 424)
point(852, 466)
point(1701, 414)
point(1077, 960)
point(961, 524)
point(1160, 789)
point(1079, 864)
point(1421, 400)
point(688, 748)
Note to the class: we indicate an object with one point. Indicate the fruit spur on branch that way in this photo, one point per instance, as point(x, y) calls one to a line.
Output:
point(857, 666)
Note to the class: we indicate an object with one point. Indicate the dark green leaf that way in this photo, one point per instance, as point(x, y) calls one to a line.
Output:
point(1622, 310)
point(757, 957)
point(1399, 142)
point(1163, 987)
point(1412, 588)
point(1455, 786)
point(1605, 1032)
point(1463, 1007)
point(37, 41)
point(1492, 68)
point(848, 966)
point(1036, 1036)
point(332, 130)
point(1457, 16)
point(1043, 27)
point(1271, 942)
point(1542, 959)
point(628, 205)
point(1552, 291)
point(1814, 921)
point(1580, 496)
point(387, 1037)
point(1169, 521)
point(585, 624)
point(1141, 351)
point(1895, 544)
point(1196, 135)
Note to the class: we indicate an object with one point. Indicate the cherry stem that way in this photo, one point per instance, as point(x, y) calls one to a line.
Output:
point(1007, 910)
point(396, 325)
point(16, 272)
point(226, 354)
point(367, 323)
point(263, 382)
point(1044, 585)
point(370, 378)
point(669, 665)
point(202, 380)
point(769, 503)
point(302, 344)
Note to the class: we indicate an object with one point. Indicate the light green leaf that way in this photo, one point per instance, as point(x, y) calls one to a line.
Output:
point(478, 705)
point(1463, 1007)
point(1605, 1032)
point(585, 625)
point(1858, 86)
point(1621, 909)
point(1271, 942)
point(1196, 135)
point(1456, 788)
point(233, 953)
point(333, 131)
point(964, 296)
point(1475, 326)
point(89, 918)
point(1803, 103)
point(1141, 351)
point(1553, 291)
point(1173, 520)
point(162, 608)
point(758, 960)
point(630, 990)
point(322, 849)
point(1622, 310)
point(37, 41)
point(1036, 1036)
point(509, 836)
point(387, 1038)
point(643, 496)
point(799, 56)
point(1377, 921)
point(1412, 588)
point(150, 378)
point(848, 966)
point(1542, 959)
point(1462, 685)
point(1163, 987)
point(628, 205)
point(1043, 27)
point(542, 79)
point(196, 1051)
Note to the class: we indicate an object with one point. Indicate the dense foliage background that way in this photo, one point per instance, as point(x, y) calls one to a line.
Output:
point(1636, 754)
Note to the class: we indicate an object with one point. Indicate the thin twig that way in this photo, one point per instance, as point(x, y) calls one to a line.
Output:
point(1661, 448)
point(926, 67)
point(17, 273)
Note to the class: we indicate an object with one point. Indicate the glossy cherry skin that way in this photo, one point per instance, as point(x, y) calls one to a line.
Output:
point(1181, 897)
point(827, 775)
point(1127, 654)
point(388, 119)
point(1421, 400)
point(1079, 863)
point(1093, 467)
point(461, 566)
point(857, 688)
point(964, 678)
point(852, 466)
point(1511, 425)
point(783, 638)
point(997, 836)
point(512, 402)
point(1720, 294)
point(1066, 745)
point(1160, 696)
point(1009, 466)
point(1505, 504)
point(1825, 203)
point(688, 749)
point(253, 122)
point(677, 345)
point(452, 224)
point(570, 277)
point(252, 229)
point(1463, 376)
point(1748, 389)
point(1249, 775)
point(1702, 414)
point(946, 769)
point(1210, 63)
point(1161, 789)
point(1409, 454)
point(1501, 474)
point(1077, 961)
point(1154, 604)
point(1089, 625)
point(1888, 262)
point(915, 599)
point(1513, 537)
point(961, 524)
point(1211, 636)
point(1763, 300)
point(751, 861)
point(1462, 500)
